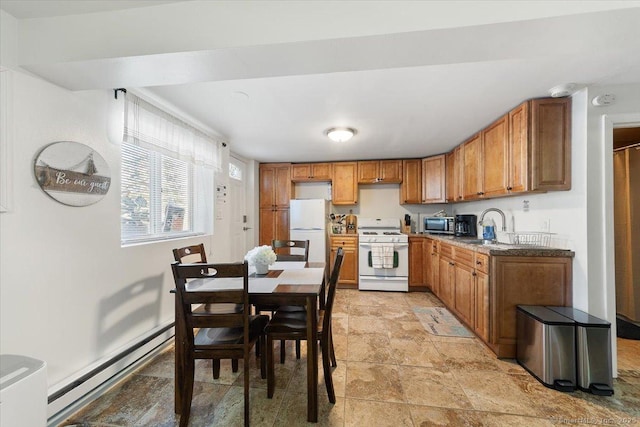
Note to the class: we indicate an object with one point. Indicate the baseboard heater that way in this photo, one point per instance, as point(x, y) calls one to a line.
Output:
point(68, 396)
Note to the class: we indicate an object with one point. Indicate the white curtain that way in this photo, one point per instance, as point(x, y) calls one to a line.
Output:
point(152, 128)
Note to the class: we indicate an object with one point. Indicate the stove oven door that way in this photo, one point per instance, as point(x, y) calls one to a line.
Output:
point(370, 264)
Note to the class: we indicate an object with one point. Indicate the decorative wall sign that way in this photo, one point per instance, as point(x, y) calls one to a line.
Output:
point(72, 173)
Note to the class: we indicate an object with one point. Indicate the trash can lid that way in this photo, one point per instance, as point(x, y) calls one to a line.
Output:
point(544, 315)
point(580, 317)
point(14, 367)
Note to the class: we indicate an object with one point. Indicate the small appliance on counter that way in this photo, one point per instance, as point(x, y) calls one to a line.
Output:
point(351, 223)
point(465, 226)
point(431, 224)
point(406, 225)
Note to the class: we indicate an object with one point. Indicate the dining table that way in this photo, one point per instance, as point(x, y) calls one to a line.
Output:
point(286, 283)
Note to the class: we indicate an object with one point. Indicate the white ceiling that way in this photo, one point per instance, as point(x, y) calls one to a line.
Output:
point(272, 86)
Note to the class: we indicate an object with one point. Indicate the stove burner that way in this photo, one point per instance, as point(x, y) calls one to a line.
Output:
point(367, 233)
point(391, 233)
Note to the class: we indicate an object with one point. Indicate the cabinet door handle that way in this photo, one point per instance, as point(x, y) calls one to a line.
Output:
point(474, 274)
point(450, 263)
point(478, 262)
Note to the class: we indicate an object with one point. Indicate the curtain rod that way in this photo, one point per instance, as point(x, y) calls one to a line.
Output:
point(635, 144)
point(120, 89)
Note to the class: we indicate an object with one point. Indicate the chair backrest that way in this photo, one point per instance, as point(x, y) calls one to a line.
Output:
point(331, 291)
point(287, 256)
point(189, 254)
point(215, 284)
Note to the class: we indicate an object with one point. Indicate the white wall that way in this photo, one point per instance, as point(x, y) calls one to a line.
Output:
point(69, 293)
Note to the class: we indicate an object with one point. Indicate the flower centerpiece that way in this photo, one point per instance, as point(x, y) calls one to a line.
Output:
point(261, 257)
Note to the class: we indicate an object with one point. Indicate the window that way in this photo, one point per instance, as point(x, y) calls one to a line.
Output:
point(165, 193)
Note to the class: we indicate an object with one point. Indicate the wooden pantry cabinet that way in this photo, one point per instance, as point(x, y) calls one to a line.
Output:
point(380, 172)
point(310, 172)
point(344, 183)
point(349, 271)
point(275, 190)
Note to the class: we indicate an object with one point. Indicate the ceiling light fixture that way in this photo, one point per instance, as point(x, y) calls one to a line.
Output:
point(340, 134)
point(562, 91)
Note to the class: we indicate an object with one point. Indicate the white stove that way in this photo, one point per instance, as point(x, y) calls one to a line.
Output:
point(383, 255)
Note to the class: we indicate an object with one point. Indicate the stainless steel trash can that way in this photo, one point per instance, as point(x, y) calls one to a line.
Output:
point(545, 346)
point(593, 351)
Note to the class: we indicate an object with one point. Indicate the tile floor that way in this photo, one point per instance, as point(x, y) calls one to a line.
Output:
point(390, 372)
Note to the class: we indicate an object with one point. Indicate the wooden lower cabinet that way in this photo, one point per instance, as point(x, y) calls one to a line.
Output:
point(274, 225)
point(349, 270)
point(527, 281)
point(416, 263)
point(483, 291)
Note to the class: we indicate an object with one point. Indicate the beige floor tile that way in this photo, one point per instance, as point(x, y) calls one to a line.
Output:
point(502, 420)
point(469, 355)
point(422, 299)
point(373, 348)
point(416, 351)
point(366, 325)
point(372, 381)
point(360, 413)
point(435, 416)
point(433, 387)
point(340, 346)
point(405, 329)
point(340, 325)
point(298, 383)
point(294, 412)
point(264, 411)
point(628, 354)
point(493, 391)
point(372, 298)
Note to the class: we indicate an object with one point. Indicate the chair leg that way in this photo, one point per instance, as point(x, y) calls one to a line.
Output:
point(270, 369)
point(234, 365)
point(263, 360)
point(283, 351)
point(216, 369)
point(258, 348)
point(187, 392)
point(247, 412)
point(297, 349)
point(328, 380)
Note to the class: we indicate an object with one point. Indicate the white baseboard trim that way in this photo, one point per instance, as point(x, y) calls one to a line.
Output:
point(103, 374)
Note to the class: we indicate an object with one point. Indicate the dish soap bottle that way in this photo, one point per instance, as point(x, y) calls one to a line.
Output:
point(488, 230)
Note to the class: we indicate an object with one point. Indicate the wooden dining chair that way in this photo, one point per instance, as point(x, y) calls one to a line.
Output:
point(293, 326)
point(197, 254)
point(278, 246)
point(214, 335)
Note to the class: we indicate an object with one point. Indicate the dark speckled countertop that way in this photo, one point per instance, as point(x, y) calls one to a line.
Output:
point(502, 249)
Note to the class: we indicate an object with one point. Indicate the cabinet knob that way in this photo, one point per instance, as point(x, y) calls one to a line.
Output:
point(474, 274)
point(509, 188)
point(478, 262)
point(450, 263)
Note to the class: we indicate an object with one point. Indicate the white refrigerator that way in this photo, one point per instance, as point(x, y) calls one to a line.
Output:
point(308, 221)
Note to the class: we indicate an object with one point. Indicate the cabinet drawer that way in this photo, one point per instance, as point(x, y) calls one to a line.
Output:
point(464, 256)
point(482, 263)
point(343, 242)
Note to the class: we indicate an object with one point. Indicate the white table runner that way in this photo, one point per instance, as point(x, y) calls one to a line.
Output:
point(306, 276)
point(287, 265)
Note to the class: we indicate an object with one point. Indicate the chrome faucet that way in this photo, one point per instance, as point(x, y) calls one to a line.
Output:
point(504, 221)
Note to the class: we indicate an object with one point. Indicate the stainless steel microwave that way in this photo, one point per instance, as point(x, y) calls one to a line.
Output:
point(438, 224)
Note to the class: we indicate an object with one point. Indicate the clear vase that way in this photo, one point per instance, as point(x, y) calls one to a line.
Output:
point(262, 268)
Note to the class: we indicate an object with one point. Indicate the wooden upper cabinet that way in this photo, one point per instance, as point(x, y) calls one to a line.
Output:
point(307, 172)
point(518, 167)
point(433, 179)
point(380, 172)
point(276, 187)
point(344, 186)
point(550, 132)
point(453, 172)
point(472, 168)
point(495, 162)
point(411, 187)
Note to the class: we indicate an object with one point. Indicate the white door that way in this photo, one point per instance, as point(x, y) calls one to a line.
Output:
point(237, 199)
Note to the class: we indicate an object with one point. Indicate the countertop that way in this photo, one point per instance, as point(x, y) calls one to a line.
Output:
point(501, 249)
